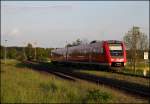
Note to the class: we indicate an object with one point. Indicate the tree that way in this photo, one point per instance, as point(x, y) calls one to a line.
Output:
point(68, 45)
point(2, 52)
point(12, 53)
point(29, 51)
point(143, 43)
point(135, 41)
point(40, 53)
point(77, 42)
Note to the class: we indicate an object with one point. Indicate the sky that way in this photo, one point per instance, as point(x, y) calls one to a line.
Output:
point(56, 23)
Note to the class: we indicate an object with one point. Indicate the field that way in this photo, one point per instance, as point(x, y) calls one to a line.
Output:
point(21, 84)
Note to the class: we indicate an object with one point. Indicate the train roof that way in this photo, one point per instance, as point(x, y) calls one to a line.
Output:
point(92, 43)
point(114, 41)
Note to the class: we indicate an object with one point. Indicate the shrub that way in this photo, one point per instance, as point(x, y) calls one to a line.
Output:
point(97, 96)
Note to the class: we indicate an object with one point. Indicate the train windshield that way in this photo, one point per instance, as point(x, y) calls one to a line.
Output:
point(116, 49)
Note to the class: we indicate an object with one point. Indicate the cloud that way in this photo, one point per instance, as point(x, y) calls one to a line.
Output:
point(11, 7)
point(14, 32)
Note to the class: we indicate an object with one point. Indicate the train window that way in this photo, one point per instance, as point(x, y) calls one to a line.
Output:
point(102, 50)
point(95, 50)
point(115, 49)
point(85, 51)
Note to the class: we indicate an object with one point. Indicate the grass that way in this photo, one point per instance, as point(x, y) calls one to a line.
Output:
point(97, 96)
point(131, 79)
point(139, 72)
point(139, 68)
point(24, 85)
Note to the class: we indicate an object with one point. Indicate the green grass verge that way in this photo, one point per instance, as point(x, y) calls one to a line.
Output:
point(138, 71)
point(116, 76)
point(23, 85)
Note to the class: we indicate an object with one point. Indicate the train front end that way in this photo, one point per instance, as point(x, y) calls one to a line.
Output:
point(116, 53)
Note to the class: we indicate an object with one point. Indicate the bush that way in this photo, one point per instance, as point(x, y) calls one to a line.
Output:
point(43, 59)
point(98, 96)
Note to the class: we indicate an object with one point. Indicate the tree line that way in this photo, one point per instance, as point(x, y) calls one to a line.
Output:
point(25, 53)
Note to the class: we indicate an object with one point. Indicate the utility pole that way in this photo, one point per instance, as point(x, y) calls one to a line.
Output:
point(35, 43)
point(135, 39)
point(5, 50)
point(24, 53)
point(66, 51)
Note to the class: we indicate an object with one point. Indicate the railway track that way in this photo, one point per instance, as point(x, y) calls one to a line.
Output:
point(42, 68)
point(67, 73)
point(122, 73)
point(97, 68)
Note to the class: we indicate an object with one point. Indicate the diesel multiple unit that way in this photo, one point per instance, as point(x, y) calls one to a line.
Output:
point(109, 53)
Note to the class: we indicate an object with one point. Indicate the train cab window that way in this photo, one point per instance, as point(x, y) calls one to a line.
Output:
point(116, 49)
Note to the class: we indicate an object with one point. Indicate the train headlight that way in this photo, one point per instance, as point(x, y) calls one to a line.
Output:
point(125, 64)
point(109, 64)
point(112, 59)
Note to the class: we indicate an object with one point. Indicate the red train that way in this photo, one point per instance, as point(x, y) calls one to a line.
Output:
point(110, 53)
